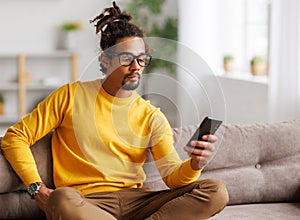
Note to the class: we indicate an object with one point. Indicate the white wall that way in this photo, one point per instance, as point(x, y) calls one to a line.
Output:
point(200, 29)
point(246, 100)
point(198, 32)
point(31, 26)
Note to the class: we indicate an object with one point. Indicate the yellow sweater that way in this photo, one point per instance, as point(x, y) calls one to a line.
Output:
point(99, 141)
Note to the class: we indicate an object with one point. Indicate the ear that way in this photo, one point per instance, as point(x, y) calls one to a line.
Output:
point(104, 59)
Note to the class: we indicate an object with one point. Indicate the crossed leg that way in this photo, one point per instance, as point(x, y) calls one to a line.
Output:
point(199, 200)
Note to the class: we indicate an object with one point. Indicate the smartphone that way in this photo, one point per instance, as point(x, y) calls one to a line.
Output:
point(209, 125)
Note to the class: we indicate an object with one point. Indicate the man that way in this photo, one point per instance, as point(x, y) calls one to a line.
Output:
point(102, 131)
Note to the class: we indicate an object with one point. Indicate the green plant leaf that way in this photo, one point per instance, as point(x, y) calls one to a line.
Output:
point(258, 59)
point(1, 98)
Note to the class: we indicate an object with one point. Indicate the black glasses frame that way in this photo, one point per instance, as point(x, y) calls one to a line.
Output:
point(133, 58)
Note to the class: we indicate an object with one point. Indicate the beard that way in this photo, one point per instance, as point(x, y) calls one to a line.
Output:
point(128, 84)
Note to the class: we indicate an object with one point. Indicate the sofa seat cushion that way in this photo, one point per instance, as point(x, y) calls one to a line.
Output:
point(18, 205)
point(290, 211)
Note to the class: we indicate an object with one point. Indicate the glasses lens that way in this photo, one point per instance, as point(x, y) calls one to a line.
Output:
point(144, 60)
point(126, 59)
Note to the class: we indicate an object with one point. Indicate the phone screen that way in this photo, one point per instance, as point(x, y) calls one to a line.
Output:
point(208, 126)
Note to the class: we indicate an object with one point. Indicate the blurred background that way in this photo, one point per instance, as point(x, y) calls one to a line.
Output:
point(232, 59)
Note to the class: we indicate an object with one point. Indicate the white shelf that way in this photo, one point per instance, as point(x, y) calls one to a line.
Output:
point(40, 87)
point(31, 82)
point(49, 55)
point(8, 119)
point(8, 56)
point(38, 55)
point(247, 77)
point(9, 86)
point(32, 86)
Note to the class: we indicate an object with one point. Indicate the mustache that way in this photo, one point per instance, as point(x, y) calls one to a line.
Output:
point(131, 74)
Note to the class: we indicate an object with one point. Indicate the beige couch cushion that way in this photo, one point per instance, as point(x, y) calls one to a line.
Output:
point(258, 163)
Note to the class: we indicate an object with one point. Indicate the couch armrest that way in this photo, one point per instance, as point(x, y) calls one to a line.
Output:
point(41, 150)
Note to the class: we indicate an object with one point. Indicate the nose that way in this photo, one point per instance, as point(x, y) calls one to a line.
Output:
point(135, 65)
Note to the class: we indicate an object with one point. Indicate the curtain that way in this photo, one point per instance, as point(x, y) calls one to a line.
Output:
point(284, 84)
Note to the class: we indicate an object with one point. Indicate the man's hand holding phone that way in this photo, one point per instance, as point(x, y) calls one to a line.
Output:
point(201, 145)
point(202, 151)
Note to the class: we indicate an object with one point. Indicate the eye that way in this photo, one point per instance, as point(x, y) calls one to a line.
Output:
point(126, 57)
point(144, 59)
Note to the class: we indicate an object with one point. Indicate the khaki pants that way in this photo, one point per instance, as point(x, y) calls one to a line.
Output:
point(199, 200)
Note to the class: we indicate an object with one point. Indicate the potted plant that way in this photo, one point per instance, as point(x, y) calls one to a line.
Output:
point(70, 26)
point(1, 104)
point(258, 66)
point(228, 63)
point(67, 38)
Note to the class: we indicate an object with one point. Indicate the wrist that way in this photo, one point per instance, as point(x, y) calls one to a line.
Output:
point(34, 188)
point(195, 165)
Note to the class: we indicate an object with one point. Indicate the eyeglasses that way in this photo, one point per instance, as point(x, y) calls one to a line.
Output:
point(127, 58)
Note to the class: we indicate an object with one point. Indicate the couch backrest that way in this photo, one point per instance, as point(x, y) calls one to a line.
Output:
point(257, 162)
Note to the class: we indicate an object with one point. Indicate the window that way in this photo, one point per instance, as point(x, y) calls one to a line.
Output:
point(244, 25)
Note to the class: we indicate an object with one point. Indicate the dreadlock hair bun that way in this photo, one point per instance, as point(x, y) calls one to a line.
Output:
point(113, 24)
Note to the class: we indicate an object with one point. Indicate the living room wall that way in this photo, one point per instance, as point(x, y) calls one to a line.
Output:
point(245, 101)
point(31, 26)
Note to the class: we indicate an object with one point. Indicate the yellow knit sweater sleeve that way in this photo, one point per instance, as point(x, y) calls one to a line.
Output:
point(18, 138)
point(174, 172)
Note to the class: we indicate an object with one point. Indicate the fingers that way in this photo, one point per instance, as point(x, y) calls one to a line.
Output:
point(200, 147)
point(202, 151)
point(42, 197)
point(200, 160)
point(199, 157)
point(210, 138)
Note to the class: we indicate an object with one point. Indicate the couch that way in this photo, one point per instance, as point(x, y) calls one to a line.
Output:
point(259, 163)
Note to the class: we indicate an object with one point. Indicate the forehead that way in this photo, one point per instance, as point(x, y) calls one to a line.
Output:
point(134, 45)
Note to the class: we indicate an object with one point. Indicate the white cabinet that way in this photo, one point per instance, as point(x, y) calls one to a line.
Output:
point(25, 79)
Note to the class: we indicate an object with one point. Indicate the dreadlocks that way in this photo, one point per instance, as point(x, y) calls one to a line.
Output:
point(114, 24)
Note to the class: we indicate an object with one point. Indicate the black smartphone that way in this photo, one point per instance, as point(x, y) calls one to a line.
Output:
point(209, 125)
